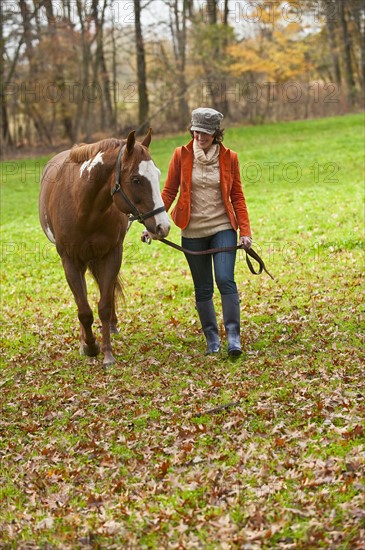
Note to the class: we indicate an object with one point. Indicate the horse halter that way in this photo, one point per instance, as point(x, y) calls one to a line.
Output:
point(135, 214)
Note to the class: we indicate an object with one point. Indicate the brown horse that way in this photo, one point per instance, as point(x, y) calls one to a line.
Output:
point(85, 197)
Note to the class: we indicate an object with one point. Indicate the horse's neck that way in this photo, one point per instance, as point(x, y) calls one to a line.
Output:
point(96, 191)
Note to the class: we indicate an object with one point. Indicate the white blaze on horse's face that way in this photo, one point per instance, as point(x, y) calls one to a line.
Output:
point(149, 170)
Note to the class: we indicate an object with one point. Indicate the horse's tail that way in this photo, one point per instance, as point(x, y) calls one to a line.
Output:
point(119, 290)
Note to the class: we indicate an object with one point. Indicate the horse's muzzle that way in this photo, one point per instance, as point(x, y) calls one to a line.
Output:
point(160, 231)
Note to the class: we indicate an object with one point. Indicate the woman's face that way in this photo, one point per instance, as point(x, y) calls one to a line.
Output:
point(204, 140)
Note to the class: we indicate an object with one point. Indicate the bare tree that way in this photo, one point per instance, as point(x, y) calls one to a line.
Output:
point(31, 108)
point(5, 136)
point(226, 12)
point(333, 41)
point(178, 27)
point(82, 118)
point(211, 8)
point(107, 119)
point(356, 11)
point(114, 76)
point(143, 102)
point(58, 71)
point(347, 49)
point(211, 37)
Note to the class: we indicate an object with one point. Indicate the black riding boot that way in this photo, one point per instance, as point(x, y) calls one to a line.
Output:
point(209, 325)
point(231, 317)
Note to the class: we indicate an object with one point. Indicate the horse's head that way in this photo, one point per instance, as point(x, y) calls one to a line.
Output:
point(137, 186)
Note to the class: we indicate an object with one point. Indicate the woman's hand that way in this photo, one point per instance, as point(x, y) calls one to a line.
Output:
point(245, 242)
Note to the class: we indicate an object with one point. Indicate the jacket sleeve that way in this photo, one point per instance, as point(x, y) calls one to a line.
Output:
point(172, 182)
point(238, 199)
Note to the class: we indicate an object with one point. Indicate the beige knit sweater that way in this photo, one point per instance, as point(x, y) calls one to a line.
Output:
point(208, 214)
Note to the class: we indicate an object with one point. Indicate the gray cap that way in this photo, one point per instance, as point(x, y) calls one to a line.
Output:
point(205, 120)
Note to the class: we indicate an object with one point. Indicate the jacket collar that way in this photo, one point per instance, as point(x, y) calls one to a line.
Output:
point(187, 157)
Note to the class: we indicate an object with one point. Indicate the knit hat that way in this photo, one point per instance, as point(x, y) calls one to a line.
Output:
point(205, 120)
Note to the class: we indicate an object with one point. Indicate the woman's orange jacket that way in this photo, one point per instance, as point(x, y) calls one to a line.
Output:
point(180, 175)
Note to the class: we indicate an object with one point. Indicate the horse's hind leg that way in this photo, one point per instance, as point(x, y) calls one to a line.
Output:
point(76, 280)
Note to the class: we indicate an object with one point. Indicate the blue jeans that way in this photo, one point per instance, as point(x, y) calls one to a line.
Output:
point(202, 269)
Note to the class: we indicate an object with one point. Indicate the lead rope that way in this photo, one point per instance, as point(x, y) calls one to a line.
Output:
point(249, 252)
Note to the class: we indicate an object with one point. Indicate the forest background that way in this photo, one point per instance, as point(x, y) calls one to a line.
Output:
point(76, 70)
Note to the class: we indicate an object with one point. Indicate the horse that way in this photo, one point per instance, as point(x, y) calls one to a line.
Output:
point(88, 197)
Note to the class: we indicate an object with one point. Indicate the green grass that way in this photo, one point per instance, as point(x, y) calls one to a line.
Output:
point(133, 458)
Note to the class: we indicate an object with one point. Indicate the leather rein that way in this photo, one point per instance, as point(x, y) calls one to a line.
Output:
point(250, 252)
point(135, 214)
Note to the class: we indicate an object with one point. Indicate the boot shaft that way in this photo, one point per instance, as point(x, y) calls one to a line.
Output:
point(208, 321)
point(231, 318)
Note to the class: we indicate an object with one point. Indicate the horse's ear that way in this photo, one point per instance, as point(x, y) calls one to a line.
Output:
point(131, 140)
point(147, 140)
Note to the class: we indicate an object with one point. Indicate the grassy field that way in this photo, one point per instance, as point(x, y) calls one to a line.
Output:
point(170, 448)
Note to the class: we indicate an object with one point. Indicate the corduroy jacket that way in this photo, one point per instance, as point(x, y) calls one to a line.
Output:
point(179, 178)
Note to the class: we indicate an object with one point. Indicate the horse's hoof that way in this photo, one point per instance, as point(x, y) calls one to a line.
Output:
point(90, 351)
point(114, 329)
point(109, 361)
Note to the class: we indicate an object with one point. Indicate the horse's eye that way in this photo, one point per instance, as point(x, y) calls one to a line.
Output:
point(135, 180)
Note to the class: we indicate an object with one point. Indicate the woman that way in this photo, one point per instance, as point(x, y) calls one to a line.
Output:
point(210, 209)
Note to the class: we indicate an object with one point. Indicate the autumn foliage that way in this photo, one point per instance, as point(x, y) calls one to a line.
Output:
point(83, 70)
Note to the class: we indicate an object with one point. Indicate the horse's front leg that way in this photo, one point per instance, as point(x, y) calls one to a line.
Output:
point(105, 313)
point(108, 269)
point(113, 318)
point(76, 279)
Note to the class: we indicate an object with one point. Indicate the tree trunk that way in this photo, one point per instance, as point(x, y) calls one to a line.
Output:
point(216, 74)
point(106, 109)
point(226, 12)
point(83, 107)
point(27, 30)
point(107, 100)
point(211, 6)
point(347, 47)
point(143, 104)
point(179, 37)
point(331, 31)
point(58, 72)
point(357, 12)
point(31, 108)
point(6, 79)
point(115, 77)
point(5, 137)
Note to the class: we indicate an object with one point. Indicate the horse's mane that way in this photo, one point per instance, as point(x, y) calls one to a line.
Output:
point(85, 151)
